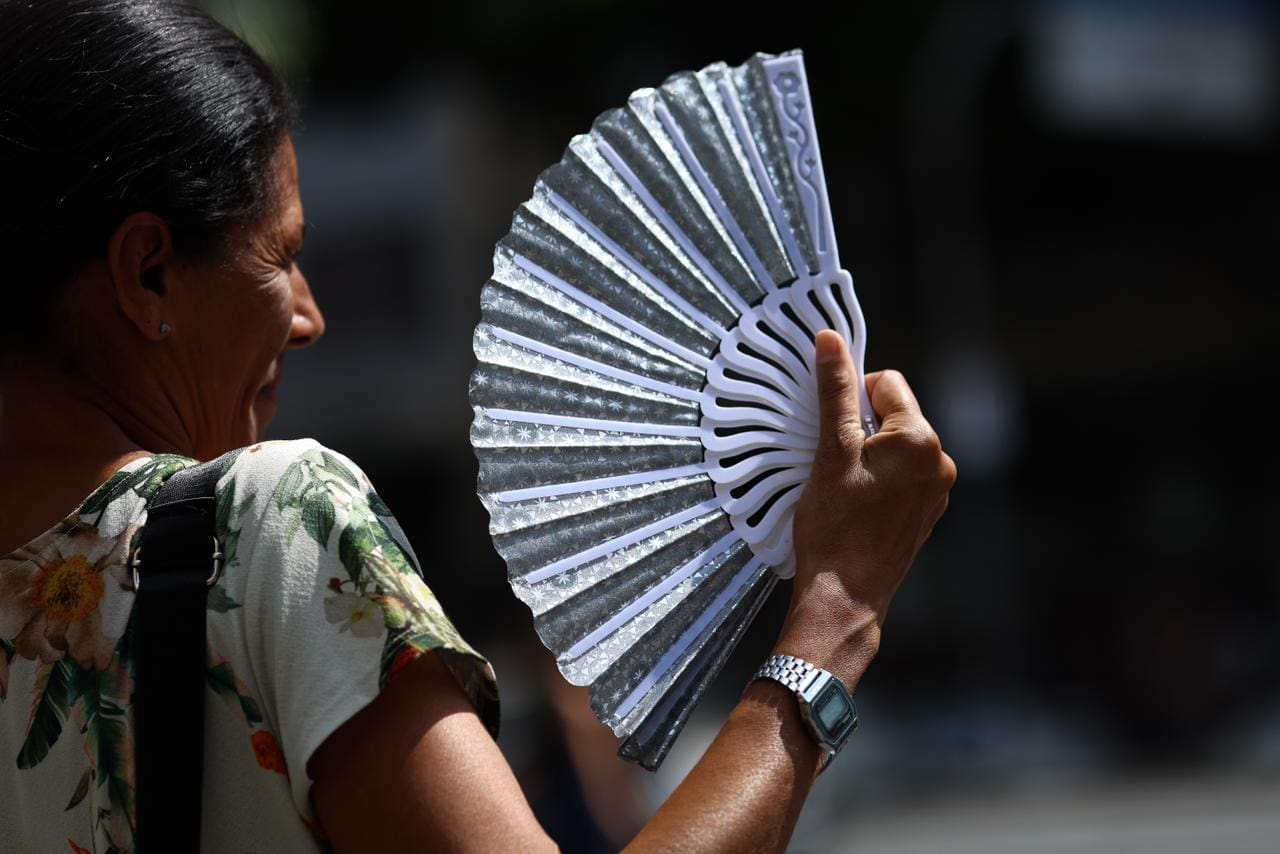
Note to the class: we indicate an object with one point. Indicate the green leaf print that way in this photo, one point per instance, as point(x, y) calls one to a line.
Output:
point(228, 512)
point(377, 505)
point(82, 789)
point(335, 466)
point(318, 517)
point(291, 530)
point(350, 546)
point(54, 691)
point(249, 706)
point(156, 471)
point(404, 557)
point(222, 518)
point(144, 481)
point(220, 601)
point(118, 485)
point(245, 504)
point(223, 680)
point(286, 492)
point(231, 548)
point(394, 613)
point(104, 695)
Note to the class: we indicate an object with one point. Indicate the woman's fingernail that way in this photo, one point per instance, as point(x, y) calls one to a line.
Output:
point(828, 346)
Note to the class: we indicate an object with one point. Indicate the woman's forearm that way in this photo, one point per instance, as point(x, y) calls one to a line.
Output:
point(746, 792)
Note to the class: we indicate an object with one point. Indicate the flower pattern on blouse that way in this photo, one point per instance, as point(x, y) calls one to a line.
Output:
point(66, 600)
point(69, 593)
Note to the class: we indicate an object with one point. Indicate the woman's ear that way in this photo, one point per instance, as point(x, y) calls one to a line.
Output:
point(140, 258)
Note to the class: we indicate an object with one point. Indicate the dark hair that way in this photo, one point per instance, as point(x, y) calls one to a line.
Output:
point(109, 107)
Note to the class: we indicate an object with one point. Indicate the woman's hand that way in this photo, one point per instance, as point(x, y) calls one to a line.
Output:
point(869, 506)
point(867, 509)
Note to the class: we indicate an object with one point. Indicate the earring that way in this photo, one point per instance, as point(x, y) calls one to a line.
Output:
point(165, 328)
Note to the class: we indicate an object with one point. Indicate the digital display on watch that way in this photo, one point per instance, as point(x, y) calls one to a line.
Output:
point(833, 710)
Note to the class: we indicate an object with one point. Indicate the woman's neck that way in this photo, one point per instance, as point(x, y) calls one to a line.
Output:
point(58, 442)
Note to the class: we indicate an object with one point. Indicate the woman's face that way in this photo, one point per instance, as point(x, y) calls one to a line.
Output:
point(236, 317)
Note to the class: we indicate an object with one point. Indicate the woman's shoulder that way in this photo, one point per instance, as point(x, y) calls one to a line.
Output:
point(321, 604)
point(298, 499)
point(316, 562)
point(276, 461)
point(299, 474)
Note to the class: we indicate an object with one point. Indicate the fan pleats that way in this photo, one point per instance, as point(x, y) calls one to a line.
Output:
point(645, 405)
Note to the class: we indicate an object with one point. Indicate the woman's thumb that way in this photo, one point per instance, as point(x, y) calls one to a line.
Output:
point(841, 427)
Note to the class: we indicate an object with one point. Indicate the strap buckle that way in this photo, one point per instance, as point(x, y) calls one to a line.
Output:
point(217, 558)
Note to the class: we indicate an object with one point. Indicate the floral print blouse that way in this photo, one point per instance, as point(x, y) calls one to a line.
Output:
point(321, 603)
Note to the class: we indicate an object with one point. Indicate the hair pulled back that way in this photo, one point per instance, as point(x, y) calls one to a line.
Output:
point(109, 107)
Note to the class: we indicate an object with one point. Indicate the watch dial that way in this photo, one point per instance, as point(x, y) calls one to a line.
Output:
point(833, 710)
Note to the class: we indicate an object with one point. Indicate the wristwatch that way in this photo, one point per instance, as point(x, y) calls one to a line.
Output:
point(825, 705)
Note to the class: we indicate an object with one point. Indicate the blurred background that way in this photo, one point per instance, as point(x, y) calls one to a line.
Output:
point(1060, 217)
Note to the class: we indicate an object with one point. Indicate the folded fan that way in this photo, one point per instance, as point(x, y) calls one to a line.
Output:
point(645, 406)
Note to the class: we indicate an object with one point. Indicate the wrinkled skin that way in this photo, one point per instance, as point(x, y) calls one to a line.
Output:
point(154, 352)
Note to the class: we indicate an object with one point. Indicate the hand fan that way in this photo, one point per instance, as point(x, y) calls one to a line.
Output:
point(645, 408)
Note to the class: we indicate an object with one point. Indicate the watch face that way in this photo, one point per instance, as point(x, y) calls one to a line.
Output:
point(833, 710)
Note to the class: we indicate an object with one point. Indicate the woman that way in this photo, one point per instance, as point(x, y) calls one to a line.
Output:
point(150, 232)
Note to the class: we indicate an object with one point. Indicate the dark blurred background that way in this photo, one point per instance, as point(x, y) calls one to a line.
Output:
point(1060, 217)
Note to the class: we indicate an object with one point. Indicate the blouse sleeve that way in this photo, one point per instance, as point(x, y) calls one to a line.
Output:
point(332, 601)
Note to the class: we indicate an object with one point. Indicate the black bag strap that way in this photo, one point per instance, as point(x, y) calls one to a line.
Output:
point(177, 558)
